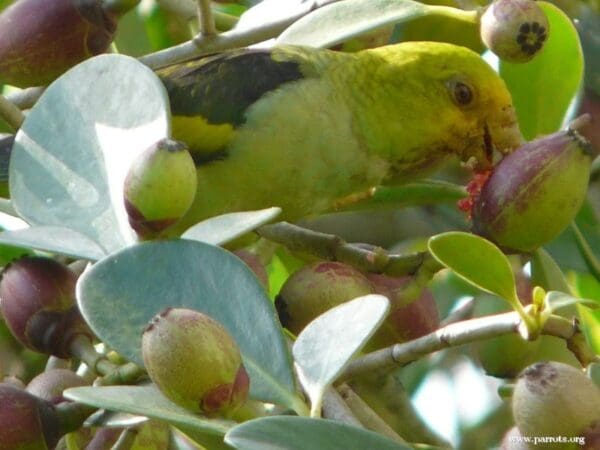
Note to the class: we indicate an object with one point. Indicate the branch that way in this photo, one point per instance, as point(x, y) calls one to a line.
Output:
point(332, 247)
point(206, 18)
point(334, 408)
point(466, 332)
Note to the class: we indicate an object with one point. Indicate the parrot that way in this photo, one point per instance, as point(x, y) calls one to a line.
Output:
point(305, 128)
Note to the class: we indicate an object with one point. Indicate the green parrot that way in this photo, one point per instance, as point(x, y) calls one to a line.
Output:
point(305, 128)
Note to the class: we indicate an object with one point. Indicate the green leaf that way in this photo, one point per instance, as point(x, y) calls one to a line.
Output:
point(476, 260)
point(555, 300)
point(543, 88)
point(148, 401)
point(120, 294)
point(55, 239)
point(300, 433)
point(73, 151)
point(546, 273)
point(221, 229)
point(326, 345)
point(340, 21)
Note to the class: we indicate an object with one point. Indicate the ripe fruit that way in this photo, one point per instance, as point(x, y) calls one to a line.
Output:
point(405, 321)
point(316, 288)
point(515, 30)
point(49, 385)
point(534, 192)
point(195, 362)
point(26, 422)
point(160, 187)
point(554, 399)
point(37, 300)
point(41, 39)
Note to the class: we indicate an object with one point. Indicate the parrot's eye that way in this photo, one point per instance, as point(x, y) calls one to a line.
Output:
point(462, 93)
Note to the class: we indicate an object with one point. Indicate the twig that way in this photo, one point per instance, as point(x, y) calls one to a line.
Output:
point(206, 18)
point(384, 393)
point(335, 408)
point(466, 332)
point(126, 439)
point(332, 247)
point(366, 415)
point(11, 114)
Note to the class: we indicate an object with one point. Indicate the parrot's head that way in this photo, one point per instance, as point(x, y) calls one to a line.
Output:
point(452, 102)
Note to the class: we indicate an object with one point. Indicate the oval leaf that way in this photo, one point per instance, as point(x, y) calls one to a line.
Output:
point(476, 260)
point(327, 344)
point(340, 21)
point(546, 273)
point(301, 433)
point(227, 227)
point(71, 155)
point(120, 294)
point(63, 241)
point(543, 88)
point(148, 401)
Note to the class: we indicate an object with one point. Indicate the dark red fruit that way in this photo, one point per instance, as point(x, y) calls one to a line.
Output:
point(408, 318)
point(37, 300)
point(26, 422)
point(41, 39)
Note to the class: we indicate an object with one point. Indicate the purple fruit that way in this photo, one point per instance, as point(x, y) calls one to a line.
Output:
point(37, 300)
point(534, 192)
point(41, 39)
point(26, 422)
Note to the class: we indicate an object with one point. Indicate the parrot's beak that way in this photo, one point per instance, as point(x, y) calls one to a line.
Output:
point(500, 136)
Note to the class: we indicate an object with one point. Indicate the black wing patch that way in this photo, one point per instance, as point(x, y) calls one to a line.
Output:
point(221, 88)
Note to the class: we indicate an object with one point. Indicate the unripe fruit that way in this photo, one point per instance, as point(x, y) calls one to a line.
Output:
point(554, 399)
point(534, 192)
point(195, 362)
point(26, 422)
point(316, 288)
point(405, 321)
point(160, 187)
point(41, 39)
point(515, 30)
point(37, 300)
point(253, 261)
point(51, 384)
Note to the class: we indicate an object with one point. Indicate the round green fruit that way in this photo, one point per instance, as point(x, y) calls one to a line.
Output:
point(515, 30)
point(195, 362)
point(160, 187)
point(552, 399)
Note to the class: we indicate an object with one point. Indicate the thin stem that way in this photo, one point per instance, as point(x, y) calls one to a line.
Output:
point(206, 18)
point(11, 114)
point(26, 98)
point(126, 439)
point(369, 418)
point(335, 408)
point(82, 348)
